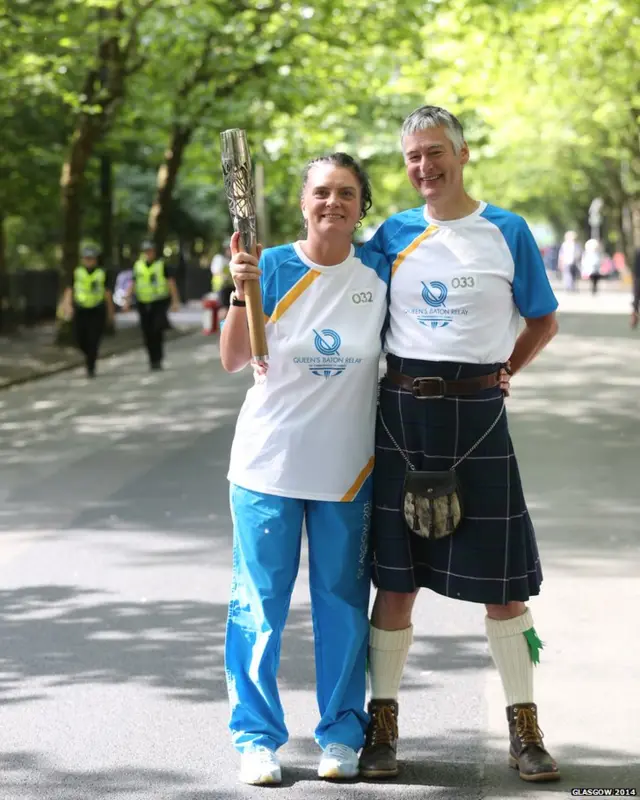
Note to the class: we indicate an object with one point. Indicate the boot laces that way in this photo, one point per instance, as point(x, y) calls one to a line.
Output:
point(385, 725)
point(527, 728)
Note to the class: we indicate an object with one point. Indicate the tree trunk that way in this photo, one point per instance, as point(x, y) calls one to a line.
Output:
point(3, 250)
point(633, 239)
point(616, 226)
point(158, 222)
point(634, 208)
point(106, 210)
point(261, 205)
point(4, 277)
point(71, 183)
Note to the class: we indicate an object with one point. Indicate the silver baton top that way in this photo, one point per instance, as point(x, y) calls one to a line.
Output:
point(238, 185)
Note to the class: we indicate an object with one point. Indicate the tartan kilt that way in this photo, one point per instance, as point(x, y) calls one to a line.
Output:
point(492, 557)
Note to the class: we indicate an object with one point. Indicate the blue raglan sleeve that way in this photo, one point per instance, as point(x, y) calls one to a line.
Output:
point(380, 245)
point(372, 257)
point(267, 264)
point(376, 245)
point(532, 292)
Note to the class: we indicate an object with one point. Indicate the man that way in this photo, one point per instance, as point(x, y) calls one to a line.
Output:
point(464, 274)
point(153, 286)
point(89, 302)
point(221, 280)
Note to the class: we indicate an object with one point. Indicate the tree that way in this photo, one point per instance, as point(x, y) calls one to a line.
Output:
point(247, 64)
point(116, 59)
point(552, 107)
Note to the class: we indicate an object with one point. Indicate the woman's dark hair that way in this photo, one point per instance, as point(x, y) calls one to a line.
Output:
point(344, 160)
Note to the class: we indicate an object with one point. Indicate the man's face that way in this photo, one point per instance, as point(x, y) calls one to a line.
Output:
point(90, 262)
point(150, 254)
point(432, 166)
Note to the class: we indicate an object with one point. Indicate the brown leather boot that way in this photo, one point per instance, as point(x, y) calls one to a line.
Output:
point(527, 753)
point(378, 757)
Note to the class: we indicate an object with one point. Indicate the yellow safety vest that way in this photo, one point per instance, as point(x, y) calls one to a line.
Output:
point(221, 280)
point(89, 286)
point(151, 283)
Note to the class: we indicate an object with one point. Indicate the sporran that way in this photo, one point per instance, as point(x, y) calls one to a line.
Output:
point(432, 501)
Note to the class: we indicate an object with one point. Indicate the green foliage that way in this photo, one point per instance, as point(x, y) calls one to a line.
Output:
point(548, 91)
point(554, 96)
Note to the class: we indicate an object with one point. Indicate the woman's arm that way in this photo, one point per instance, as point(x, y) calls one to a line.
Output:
point(235, 347)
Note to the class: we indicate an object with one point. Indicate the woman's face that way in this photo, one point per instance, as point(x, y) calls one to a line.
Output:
point(331, 200)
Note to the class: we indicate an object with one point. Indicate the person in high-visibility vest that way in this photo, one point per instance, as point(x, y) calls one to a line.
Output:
point(155, 288)
point(88, 301)
point(221, 280)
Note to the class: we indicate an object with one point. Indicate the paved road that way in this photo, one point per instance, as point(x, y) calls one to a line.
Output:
point(114, 571)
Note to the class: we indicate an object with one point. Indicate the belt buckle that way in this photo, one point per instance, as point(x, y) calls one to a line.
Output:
point(417, 384)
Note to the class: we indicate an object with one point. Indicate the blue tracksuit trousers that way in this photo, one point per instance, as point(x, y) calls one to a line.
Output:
point(266, 555)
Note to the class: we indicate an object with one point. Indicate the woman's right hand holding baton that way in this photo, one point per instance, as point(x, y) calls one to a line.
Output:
point(244, 267)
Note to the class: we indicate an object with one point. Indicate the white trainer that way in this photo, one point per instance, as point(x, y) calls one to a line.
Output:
point(338, 762)
point(260, 766)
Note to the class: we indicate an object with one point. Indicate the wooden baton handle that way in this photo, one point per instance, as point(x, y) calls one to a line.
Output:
point(255, 318)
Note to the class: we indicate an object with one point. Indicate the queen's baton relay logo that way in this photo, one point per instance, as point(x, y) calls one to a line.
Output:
point(327, 342)
point(437, 314)
point(329, 362)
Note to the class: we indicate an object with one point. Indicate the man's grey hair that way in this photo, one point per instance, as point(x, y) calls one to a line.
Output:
point(434, 117)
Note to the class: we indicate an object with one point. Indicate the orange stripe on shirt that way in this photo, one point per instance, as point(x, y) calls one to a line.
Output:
point(293, 294)
point(359, 481)
point(418, 240)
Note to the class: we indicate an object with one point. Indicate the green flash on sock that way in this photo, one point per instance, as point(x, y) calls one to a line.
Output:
point(535, 645)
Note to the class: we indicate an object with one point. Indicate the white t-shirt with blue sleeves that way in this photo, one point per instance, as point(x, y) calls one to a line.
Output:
point(307, 431)
point(459, 287)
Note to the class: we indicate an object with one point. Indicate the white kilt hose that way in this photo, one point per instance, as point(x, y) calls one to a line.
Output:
point(492, 557)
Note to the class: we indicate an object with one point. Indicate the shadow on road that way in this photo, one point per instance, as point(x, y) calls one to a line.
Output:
point(575, 421)
point(28, 775)
point(56, 636)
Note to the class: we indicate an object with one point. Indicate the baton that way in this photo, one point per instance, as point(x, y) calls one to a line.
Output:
point(238, 186)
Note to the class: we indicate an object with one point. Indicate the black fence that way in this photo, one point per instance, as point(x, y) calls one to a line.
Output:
point(28, 297)
point(31, 296)
point(193, 282)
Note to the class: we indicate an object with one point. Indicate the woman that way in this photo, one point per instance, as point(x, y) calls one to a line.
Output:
point(303, 451)
point(89, 303)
